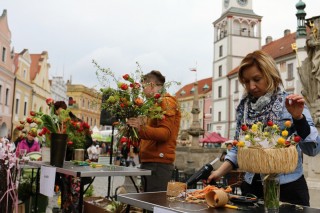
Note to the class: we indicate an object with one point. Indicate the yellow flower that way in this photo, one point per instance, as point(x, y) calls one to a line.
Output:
point(284, 133)
point(240, 144)
point(254, 127)
point(281, 141)
point(247, 137)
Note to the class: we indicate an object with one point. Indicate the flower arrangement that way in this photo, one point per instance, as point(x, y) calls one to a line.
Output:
point(267, 136)
point(127, 100)
point(272, 150)
point(42, 125)
point(264, 148)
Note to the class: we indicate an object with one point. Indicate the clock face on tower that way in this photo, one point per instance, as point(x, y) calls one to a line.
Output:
point(226, 3)
point(242, 2)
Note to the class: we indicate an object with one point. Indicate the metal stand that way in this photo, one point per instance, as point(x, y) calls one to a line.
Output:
point(111, 155)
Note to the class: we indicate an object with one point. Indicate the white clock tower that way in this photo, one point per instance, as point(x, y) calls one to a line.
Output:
point(236, 33)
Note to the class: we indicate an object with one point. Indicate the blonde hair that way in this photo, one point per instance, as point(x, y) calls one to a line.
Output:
point(267, 67)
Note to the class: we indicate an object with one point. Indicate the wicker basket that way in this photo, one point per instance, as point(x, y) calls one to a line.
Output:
point(268, 161)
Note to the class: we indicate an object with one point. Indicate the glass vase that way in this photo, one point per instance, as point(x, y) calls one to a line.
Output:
point(271, 193)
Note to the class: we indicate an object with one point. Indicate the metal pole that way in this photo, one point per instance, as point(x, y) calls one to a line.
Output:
point(111, 153)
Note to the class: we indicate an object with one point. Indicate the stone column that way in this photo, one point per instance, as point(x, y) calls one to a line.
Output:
point(195, 130)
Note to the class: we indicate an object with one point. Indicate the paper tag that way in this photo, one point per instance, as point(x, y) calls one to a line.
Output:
point(47, 179)
point(104, 160)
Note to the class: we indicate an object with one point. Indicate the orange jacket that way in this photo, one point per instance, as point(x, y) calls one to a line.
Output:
point(158, 137)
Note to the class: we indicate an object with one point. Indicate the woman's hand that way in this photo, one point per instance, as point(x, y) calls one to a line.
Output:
point(295, 104)
point(213, 176)
point(222, 170)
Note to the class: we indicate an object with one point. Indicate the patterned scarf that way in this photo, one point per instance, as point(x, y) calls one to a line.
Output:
point(265, 108)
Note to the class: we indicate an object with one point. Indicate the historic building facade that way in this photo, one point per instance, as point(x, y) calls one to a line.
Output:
point(185, 97)
point(23, 89)
point(86, 103)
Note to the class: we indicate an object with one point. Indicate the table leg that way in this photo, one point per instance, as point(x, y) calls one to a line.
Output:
point(134, 184)
point(128, 209)
point(37, 189)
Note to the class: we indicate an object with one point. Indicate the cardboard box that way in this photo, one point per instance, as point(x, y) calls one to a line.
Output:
point(95, 204)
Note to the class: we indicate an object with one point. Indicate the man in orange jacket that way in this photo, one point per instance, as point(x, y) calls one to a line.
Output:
point(158, 137)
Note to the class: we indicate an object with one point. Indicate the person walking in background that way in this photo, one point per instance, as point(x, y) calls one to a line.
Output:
point(158, 137)
point(264, 100)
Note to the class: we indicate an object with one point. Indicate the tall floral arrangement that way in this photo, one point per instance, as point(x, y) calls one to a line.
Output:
point(267, 149)
point(125, 99)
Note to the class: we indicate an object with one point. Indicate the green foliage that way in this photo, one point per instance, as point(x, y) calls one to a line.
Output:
point(89, 191)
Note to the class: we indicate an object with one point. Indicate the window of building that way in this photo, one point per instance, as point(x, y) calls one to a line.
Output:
point(290, 71)
point(24, 74)
point(220, 70)
point(208, 127)
point(236, 86)
point(282, 66)
point(25, 108)
point(7, 97)
point(17, 106)
point(0, 93)
point(4, 50)
point(219, 116)
point(220, 51)
point(210, 110)
point(219, 91)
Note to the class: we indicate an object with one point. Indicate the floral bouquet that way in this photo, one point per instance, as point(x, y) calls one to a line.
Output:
point(272, 150)
point(42, 125)
point(268, 150)
point(126, 99)
point(8, 174)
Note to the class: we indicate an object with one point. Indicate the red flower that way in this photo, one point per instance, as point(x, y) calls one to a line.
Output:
point(157, 95)
point(126, 76)
point(244, 127)
point(297, 138)
point(50, 101)
point(270, 123)
point(20, 127)
point(32, 113)
point(124, 86)
point(30, 120)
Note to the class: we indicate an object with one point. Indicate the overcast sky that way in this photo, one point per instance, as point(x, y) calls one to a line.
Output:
point(167, 35)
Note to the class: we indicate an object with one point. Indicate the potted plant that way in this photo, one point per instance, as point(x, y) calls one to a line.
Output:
point(57, 129)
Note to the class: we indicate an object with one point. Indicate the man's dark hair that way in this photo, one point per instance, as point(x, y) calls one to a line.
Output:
point(60, 104)
point(156, 76)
